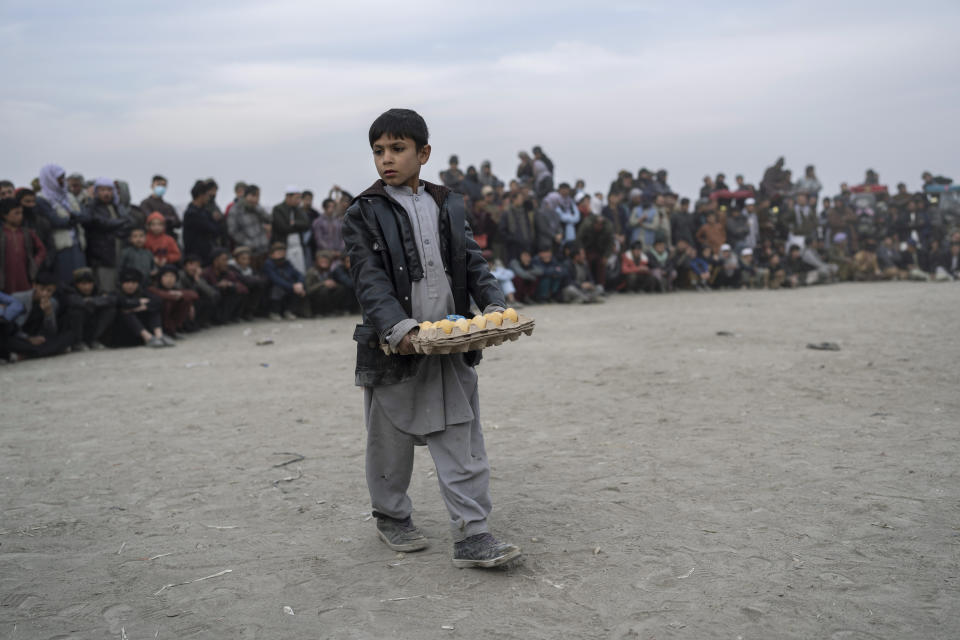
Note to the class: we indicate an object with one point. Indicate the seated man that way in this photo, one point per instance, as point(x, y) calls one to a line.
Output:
point(635, 269)
point(256, 284)
point(177, 302)
point(233, 293)
point(35, 331)
point(551, 276)
point(580, 288)
point(208, 297)
point(524, 279)
point(90, 312)
point(324, 293)
point(287, 293)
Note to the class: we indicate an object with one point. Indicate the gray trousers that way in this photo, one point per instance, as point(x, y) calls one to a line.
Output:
point(463, 471)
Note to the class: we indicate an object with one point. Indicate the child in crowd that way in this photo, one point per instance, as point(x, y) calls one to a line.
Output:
point(233, 293)
point(551, 276)
point(634, 269)
point(581, 287)
point(414, 259)
point(727, 273)
point(90, 312)
point(21, 251)
point(504, 278)
point(163, 247)
point(177, 302)
point(242, 267)
point(208, 297)
point(139, 314)
point(524, 280)
point(661, 267)
point(137, 256)
point(35, 332)
point(287, 292)
point(324, 293)
point(702, 267)
point(751, 276)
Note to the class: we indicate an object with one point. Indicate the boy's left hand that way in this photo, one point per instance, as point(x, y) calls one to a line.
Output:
point(405, 348)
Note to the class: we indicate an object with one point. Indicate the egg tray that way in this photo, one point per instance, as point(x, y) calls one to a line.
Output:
point(435, 342)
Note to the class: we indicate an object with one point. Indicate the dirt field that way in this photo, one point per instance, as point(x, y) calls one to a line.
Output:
point(664, 481)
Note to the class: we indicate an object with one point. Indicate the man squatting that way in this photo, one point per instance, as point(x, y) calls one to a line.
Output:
point(413, 258)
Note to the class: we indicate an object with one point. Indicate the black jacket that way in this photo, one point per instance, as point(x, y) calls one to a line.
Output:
point(103, 232)
point(384, 262)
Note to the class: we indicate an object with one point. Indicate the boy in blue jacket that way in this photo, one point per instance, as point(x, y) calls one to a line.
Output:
point(287, 293)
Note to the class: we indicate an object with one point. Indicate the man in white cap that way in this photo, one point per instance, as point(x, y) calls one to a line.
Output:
point(753, 222)
point(751, 276)
point(289, 224)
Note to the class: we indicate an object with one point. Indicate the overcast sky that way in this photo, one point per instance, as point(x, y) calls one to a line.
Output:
point(284, 91)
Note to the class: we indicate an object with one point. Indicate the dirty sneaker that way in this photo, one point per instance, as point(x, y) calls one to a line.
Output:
point(483, 550)
point(401, 535)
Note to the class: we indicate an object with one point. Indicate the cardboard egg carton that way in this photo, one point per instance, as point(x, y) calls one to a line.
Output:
point(435, 341)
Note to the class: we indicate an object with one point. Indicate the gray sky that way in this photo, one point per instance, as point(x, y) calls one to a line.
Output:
point(284, 91)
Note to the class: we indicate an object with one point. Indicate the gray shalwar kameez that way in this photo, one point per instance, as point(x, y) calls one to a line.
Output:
point(438, 407)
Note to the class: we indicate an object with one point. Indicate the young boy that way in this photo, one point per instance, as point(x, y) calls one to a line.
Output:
point(414, 259)
point(137, 256)
point(208, 298)
point(163, 247)
point(21, 251)
point(242, 267)
point(139, 314)
point(287, 292)
point(35, 330)
point(233, 293)
point(326, 295)
point(177, 302)
point(89, 312)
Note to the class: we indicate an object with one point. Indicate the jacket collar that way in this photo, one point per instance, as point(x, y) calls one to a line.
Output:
point(438, 192)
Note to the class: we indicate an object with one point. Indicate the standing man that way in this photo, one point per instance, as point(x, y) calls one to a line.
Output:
point(290, 222)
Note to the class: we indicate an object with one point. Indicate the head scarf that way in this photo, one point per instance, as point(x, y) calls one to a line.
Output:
point(50, 189)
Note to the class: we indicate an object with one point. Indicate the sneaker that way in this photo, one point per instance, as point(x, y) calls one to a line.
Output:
point(289, 315)
point(484, 551)
point(401, 535)
point(155, 343)
point(168, 341)
point(80, 347)
point(275, 317)
point(98, 346)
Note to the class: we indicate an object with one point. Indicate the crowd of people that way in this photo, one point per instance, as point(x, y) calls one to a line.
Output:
point(82, 267)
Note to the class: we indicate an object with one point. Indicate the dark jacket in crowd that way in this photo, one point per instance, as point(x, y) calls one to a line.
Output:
point(104, 224)
point(153, 203)
point(282, 274)
point(286, 220)
point(384, 262)
point(201, 232)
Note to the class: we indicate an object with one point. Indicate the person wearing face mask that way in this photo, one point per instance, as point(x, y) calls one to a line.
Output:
point(158, 187)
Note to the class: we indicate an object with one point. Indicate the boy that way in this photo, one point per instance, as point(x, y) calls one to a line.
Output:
point(326, 295)
point(163, 247)
point(137, 256)
point(36, 333)
point(414, 259)
point(21, 251)
point(191, 278)
point(233, 293)
point(139, 314)
point(551, 276)
point(177, 302)
point(242, 266)
point(286, 284)
point(89, 312)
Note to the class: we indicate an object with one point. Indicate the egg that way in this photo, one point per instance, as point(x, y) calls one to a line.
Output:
point(445, 325)
point(479, 321)
point(495, 318)
point(510, 314)
point(463, 324)
point(426, 325)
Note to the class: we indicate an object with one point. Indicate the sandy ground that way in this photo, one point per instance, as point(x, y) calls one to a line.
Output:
point(664, 481)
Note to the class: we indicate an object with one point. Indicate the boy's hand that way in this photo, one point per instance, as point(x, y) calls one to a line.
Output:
point(298, 289)
point(36, 340)
point(405, 348)
point(46, 306)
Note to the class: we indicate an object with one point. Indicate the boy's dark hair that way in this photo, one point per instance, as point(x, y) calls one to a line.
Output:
point(136, 228)
point(83, 274)
point(157, 178)
point(45, 278)
point(211, 184)
point(6, 183)
point(129, 274)
point(240, 185)
point(199, 189)
point(7, 205)
point(400, 123)
point(327, 201)
point(305, 193)
point(192, 257)
point(251, 189)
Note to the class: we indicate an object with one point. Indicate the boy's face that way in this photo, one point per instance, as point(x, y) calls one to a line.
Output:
point(659, 247)
point(243, 260)
point(398, 161)
point(292, 199)
point(44, 291)
point(525, 258)
point(306, 201)
point(192, 267)
point(14, 217)
point(546, 255)
point(138, 238)
point(220, 262)
point(278, 255)
point(168, 280)
point(129, 287)
point(253, 199)
point(85, 288)
point(157, 227)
